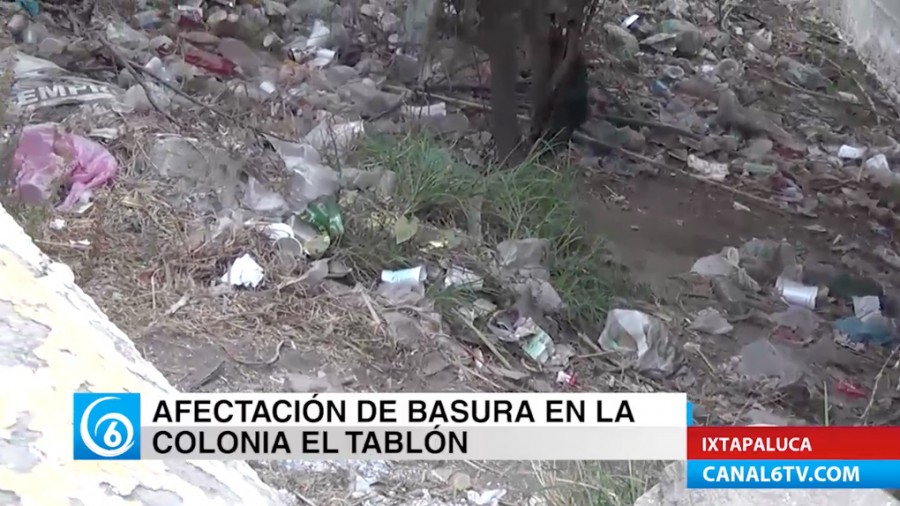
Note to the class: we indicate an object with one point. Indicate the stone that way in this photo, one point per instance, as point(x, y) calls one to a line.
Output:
point(369, 66)
point(240, 54)
point(17, 24)
point(390, 22)
point(757, 149)
point(51, 46)
point(162, 44)
point(202, 38)
point(340, 75)
point(370, 99)
point(404, 68)
point(275, 8)
point(301, 9)
point(623, 44)
point(688, 38)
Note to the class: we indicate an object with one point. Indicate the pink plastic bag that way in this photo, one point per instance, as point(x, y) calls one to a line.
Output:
point(45, 155)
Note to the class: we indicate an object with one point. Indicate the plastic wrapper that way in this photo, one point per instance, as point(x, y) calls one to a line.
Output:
point(39, 84)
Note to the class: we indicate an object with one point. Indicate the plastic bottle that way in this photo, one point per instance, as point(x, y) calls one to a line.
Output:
point(156, 67)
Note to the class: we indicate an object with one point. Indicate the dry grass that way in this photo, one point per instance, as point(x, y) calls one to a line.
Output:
point(594, 483)
point(156, 277)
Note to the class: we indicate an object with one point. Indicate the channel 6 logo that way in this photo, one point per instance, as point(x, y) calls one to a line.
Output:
point(107, 426)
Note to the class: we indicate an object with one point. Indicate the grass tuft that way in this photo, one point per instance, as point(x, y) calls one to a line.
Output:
point(594, 483)
point(530, 200)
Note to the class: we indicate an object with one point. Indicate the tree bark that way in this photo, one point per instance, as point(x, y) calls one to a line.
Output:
point(538, 31)
point(54, 341)
point(501, 40)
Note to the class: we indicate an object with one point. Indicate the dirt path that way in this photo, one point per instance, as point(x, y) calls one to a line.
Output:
point(659, 225)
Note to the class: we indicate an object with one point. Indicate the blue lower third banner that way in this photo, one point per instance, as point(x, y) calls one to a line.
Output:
point(793, 474)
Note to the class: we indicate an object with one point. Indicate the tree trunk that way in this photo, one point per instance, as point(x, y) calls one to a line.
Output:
point(538, 31)
point(54, 341)
point(501, 40)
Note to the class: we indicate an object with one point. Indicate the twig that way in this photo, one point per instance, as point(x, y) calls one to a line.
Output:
point(271, 361)
point(621, 120)
point(868, 99)
point(487, 342)
point(198, 103)
point(696, 349)
point(592, 345)
point(865, 415)
point(583, 137)
point(664, 166)
point(137, 75)
point(206, 378)
point(368, 301)
point(790, 86)
point(303, 499)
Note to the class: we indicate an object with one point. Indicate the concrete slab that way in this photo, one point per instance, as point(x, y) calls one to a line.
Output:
point(872, 27)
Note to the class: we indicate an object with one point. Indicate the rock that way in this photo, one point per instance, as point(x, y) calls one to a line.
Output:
point(301, 9)
point(451, 123)
point(79, 49)
point(801, 74)
point(51, 46)
point(757, 149)
point(622, 43)
point(17, 24)
point(202, 38)
point(369, 10)
point(240, 54)
point(404, 68)
point(688, 40)
point(215, 17)
point(275, 8)
point(762, 39)
point(369, 66)
point(390, 22)
point(340, 75)
point(750, 121)
point(162, 44)
point(136, 98)
point(349, 53)
point(181, 70)
point(763, 359)
point(370, 99)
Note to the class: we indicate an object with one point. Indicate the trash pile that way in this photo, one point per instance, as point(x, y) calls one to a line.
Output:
point(766, 105)
point(196, 166)
point(210, 149)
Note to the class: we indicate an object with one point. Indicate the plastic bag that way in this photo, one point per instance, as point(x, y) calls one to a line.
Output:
point(38, 83)
point(46, 157)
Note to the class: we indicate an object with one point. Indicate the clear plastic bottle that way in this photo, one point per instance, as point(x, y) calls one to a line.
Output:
point(156, 67)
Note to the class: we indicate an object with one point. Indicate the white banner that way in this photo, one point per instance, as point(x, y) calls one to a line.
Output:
point(440, 426)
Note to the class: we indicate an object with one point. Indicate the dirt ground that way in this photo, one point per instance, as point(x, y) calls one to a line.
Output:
point(146, 270)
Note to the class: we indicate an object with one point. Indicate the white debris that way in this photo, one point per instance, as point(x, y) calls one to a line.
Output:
point(244, 272)
point(713, 171)
point(851, 152)
point(486, 498)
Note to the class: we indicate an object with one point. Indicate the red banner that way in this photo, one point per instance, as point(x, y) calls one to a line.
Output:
point(793, 443)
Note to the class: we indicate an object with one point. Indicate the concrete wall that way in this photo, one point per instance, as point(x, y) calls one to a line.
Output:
point(873, 28)
point(54, 340)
